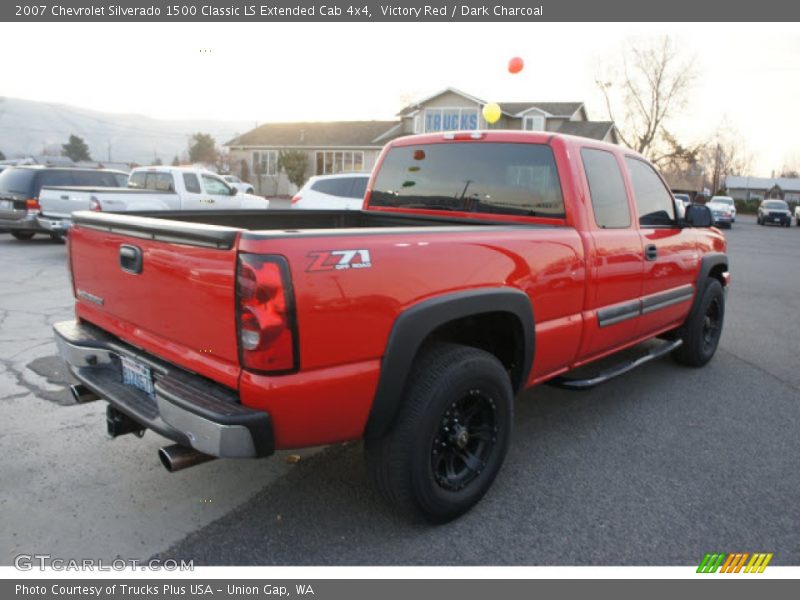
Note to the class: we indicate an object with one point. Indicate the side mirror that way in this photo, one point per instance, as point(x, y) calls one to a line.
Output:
point(234, 191)
point(698, 215)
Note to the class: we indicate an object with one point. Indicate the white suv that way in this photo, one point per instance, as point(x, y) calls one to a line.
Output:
point(339, 191)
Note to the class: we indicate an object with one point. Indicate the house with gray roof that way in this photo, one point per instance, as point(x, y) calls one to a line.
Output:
point(758, 188)
point(341, 146)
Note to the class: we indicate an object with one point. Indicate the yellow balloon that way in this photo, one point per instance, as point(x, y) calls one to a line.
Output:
point(492, 113)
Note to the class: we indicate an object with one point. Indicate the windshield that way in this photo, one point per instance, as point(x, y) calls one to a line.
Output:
point(776, 204)
point(17, 181)
point(496, 178)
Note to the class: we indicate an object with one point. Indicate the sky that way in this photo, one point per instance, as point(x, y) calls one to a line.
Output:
point(748, 74)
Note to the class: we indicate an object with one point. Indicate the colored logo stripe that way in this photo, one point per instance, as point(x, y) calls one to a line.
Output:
point(734, 562)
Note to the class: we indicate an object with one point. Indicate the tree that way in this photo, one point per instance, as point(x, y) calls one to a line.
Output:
point(176, 162)
point(244, 171)
point(295, 164)
point(202, 149)
point(2, 156)
point(653, 85)
point(158, 162)
point(724, 155)
point(75, 149)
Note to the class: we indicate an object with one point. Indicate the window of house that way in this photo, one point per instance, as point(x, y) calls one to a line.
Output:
point(606, 188)
point(533, 123)
point(338, 162)
point(653, 199)
point(417, 124)
point(451, 119)
point(265, 163)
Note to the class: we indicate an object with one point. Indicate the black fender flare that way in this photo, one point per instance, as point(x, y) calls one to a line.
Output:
point(707, 264)
point(416, 323)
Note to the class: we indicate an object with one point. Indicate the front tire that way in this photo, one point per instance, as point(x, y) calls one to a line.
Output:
point(23, 236)
point(450, 436)
point(702, 331)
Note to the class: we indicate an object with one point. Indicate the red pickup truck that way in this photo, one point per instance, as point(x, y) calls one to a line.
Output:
point(482, 264)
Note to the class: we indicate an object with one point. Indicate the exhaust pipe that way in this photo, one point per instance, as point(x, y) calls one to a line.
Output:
point(82, 394)
point(178, 457)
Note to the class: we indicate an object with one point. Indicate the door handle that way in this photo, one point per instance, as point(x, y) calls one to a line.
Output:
point(65, 197)
point(208, 201)
point(130, 259)
point(651, 252)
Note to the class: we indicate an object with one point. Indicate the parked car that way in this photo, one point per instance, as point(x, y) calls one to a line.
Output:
point(242, 186)
point(725, 201)
point(338, 191)
point(149, 188)
point(20, 187)
point(468, 277)
point(797, 215)
point(684, 198)
point(723, 210)
point(774, 211)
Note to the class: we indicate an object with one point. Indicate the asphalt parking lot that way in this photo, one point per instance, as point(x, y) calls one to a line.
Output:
point(655, 468)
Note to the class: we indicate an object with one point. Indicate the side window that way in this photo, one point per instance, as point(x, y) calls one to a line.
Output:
point(607, 189)
point(653, 200)
point(137, 180)
point(359, 187)
point(215, 186)
point(191, 183)
point(94, 179)
point(338, 186)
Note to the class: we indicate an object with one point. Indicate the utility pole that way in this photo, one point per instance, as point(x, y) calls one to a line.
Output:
point(109, 150)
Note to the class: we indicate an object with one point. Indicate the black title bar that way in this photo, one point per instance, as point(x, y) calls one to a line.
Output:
point(387, 11)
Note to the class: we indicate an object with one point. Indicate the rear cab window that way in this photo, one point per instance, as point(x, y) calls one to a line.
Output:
point(152, 180)
point(490, 177)
point(653, 200)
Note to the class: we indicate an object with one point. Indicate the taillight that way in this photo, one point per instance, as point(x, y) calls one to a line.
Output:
point(266, 314)
point(32, 205)
point(94, 204)
point(296, 198)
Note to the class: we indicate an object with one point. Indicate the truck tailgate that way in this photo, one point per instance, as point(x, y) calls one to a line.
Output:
point(56, 202)
point(169, 292)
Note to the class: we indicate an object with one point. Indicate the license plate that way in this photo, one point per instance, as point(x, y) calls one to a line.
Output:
point(137, 375)
point(6, 205)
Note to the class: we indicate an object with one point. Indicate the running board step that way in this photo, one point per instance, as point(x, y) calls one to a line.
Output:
point(585, 384)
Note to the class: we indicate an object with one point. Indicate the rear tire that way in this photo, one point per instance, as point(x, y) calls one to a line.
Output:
point(450, 436)
point(59, 238)
point(702, 331)
point(23, 236)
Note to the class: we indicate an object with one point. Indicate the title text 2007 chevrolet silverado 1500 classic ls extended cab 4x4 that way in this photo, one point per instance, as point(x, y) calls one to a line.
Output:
point(483, 263)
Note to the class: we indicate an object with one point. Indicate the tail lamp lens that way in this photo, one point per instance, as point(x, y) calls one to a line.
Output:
point(267, 331)
point(32, 205)
point(296, 198)
point(94, 204)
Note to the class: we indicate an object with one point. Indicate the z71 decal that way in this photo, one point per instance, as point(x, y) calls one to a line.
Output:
point(333, 260)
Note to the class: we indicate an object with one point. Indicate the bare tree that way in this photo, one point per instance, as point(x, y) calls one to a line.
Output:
point(650, 86)
point(724, 155)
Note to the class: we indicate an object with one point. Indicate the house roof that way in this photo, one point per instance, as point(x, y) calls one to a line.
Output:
point(596, 130)
point(787, 184)
point(312, 134)
point(553, 109)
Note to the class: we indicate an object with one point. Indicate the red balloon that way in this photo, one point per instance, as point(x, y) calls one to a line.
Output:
point(515, 65)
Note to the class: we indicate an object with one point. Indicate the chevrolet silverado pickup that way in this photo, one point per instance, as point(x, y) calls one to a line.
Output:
point(149, 188)
point(483, 263)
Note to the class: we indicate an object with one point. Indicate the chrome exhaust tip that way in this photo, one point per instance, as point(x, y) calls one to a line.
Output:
point(178, 457)
point(81, 394)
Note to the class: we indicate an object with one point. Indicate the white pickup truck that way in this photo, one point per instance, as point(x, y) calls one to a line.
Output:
point(149, 188)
